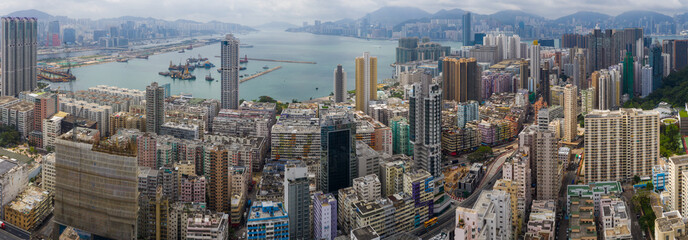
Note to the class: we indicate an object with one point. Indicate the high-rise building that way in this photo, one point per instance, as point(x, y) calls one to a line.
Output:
point(467, 34)
point(676, 182)
point(155, 107)
point(535, 61)
point(19, 51)
point(69, 36)
point(646, 80)
point(419, 184)
point(461, 79)
point(511, 188)
point(628, 71)
point(219, 194)
point(570, 113)
point(657, 64)
point(297, 200)
point(489, 217)
point(366, 81)
point(338, 164)
point(368, 187)
point(620, 144)
point(53, 34)
point(340, 93)
point(324, 216)
point(229, 96)
point(548, 172)
point(96, 184)
point(425, 123)
point(523, 74)
point(267, 215)
point(401, 143)
point(467, 112)
point(146, 146)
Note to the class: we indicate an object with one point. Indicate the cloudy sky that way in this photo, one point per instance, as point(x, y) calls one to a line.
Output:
point(256, 12)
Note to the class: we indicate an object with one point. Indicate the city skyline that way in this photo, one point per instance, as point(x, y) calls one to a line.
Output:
point(296, 12)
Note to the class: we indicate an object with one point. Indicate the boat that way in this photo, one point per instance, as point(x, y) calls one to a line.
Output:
point(209, 77)
point(219, 70)
point(164, 73)
point(245, 45)
point(265, 67)
point(242, 68)
point(55, 75)
point(122, 60)
point(190, 47)
point(181, 51)
point(245, 60)
point(142, 56)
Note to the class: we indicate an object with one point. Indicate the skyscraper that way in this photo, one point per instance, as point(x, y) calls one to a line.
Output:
point(366, 81)
point(425, 121)
point(297, 200)
point(570, 113)
point(155, 107)
point(535, 62)
point(620, 144)
point(324, 216)
point(338, 164)
point(467, 29)
point(646, 80)
point(53, 34)
point(96, 184)
point(657, 64)
point(461, 79)
point(69, 36)
point(628, 71)
point(548, 178)
point(19, 50)
point(339, 84)
point(229, 97)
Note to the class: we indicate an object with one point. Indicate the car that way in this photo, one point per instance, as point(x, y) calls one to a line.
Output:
point(2, 225)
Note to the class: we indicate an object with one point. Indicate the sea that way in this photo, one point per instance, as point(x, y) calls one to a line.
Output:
point(293, 81)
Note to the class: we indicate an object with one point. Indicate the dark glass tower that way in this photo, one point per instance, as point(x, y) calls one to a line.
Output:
point(338, 165)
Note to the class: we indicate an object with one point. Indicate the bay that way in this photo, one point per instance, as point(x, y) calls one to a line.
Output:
point(292, 81)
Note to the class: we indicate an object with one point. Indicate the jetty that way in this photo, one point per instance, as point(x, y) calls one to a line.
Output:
point(259, 74)
point(284, 61)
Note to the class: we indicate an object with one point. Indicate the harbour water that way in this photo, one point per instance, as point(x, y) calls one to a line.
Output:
point(292, 81)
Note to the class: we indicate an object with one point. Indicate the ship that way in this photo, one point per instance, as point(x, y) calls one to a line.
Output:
point(181, 51)
point(209, 77)
point(242, 68)
point(164, 73)
point(245, 60)
point(55, 75)
point(190, 47)
point(142, 56)
point(243, 45)
point(122, 60)
point(265, 67)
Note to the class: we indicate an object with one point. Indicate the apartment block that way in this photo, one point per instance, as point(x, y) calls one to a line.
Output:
point(267, 220)
point(620, 144)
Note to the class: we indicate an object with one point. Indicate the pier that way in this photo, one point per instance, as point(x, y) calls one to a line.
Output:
point(284, 61)
point(259, 74)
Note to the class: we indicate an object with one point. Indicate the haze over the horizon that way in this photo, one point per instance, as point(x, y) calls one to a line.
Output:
point(256, 12)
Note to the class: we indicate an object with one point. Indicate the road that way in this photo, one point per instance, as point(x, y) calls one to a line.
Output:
point(627, 195)
point(563, 223)
point(13, 232)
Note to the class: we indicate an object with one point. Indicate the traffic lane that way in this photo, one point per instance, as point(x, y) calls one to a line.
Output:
point(17, 232)
point(6, 235)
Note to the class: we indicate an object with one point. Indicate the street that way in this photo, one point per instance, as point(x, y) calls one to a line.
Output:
point(13, 232)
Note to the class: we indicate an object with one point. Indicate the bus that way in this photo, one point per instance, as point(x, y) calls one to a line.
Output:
point(431, 222)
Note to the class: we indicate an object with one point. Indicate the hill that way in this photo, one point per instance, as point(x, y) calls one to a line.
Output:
point(449, 14)
point(674, 91)
point(30, 13)
point(632, 17)
point(395, 15)
point(508, 17)
point(583, 17)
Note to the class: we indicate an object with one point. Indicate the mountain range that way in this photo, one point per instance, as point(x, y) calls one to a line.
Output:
point(397, 15)
point(47, 17)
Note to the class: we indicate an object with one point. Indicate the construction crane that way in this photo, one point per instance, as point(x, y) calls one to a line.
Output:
point(77, 121)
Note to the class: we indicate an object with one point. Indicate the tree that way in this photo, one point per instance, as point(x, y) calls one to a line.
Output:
point(480, 155)
point(650, 186)
point(636, 179)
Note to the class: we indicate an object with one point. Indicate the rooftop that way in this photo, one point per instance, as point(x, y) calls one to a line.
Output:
point(22, 106)
point(29, 199)
point(266, 211)
point(7, 99)
point(365, 233)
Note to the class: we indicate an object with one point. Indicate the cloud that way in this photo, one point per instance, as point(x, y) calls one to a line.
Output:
point(256, 12)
